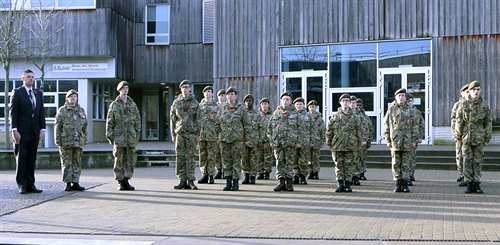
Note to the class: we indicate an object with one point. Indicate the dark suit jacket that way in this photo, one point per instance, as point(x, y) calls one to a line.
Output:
point(20, 111)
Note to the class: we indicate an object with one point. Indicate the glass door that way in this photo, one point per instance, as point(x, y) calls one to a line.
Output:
point(150, 117)
point(307, 84)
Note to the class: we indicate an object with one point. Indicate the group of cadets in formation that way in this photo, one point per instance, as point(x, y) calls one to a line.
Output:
point(236, 138)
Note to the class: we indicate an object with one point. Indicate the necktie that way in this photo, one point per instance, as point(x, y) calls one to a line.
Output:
point(31, 99)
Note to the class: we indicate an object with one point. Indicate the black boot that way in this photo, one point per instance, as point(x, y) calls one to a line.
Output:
point(252, 180)
point(203, 180)
point(266, 175)
point(261, 176)
point(362, 176)
point(281, 186)
point(355, 181)
point(76, 187)
point(289, 184)
point(181, 185)
point(228, 184)
point(340, 188)
point(412, 178)
point(311, 175)
point(409, 183)
point(460, 179)
point(68, 187)
point(462, 183)
point(128, 186)
point(296, 179)
point(303, 180)
point(405, 186)
point(235, 186)
point(398, 186)
point(191, 185)
point(219, 174)
point(316, 175)
point(348, 186)
point(470, 187)
point(211, 179)
point(121, 185)
point(246, 179)
point(478, 188)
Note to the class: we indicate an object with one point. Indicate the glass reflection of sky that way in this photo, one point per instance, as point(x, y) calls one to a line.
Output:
point(307, 54)
point(353, 52)
point(397, 49)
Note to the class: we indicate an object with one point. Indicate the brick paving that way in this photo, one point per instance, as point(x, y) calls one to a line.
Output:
point(436, 211)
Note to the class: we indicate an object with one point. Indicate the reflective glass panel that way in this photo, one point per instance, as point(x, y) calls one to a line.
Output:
point(66, 85)
point(304, 58)
point(407, 53)
point(353, 65)
point(368, 98)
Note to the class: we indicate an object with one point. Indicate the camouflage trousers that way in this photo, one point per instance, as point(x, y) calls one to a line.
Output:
point(472, 157)
point(124, 162)
point(266, 158)
point(71, 164)
point(413, 160)
point(458, 158)
point(314, 165)
point(302, 156)
point(401, 164)
point(208, 152)
point(232, 154)
point(285, 156)
point(249, 161)
point(344, 164)
point(218, 158)
point(359, 164)
point(185, 150)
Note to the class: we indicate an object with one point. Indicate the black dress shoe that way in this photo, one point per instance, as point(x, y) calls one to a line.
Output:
point(22, 190)
point(34, 190)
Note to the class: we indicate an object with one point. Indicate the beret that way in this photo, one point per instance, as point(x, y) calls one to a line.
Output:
point(474, 84)
point(353, 97)
point(248, 96)
point(359, 100)
point(299, 99)
point(222, 91)
point(207, 88)
point(264, 100)
point(399, 91)
point(465, 87)
point(410, 96)
point(185, 82)
point(121, 84)
point(312, 102)
point(286, 94)
point(231, 89)
point(70, 92)
point(344, 96)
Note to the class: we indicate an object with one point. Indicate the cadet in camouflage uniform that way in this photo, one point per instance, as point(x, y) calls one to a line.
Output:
point(343, 135)
point(70, 134)
point(473, 130)
point(401, 133)
point(421, 130)
point(285, 130)
point(366, 123)
point(464, 91)
point(221, 96)
point(266, 158)
point(317, 139)
point(184, 118)
point(123, 127)
point(208, 136)
point(302, 154)
point(232, 123)
point(252, 139)
point(358, 168)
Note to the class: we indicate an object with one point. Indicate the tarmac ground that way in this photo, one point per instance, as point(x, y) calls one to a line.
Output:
point(435, 212)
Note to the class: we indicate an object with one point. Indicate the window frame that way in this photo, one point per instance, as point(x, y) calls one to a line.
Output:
point(28, 5)
point(147, 35)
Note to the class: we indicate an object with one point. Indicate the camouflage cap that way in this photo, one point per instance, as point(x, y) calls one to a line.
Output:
point(185, 82)
point(248, 96)
point(231, 89)
point(121, 84)
point(312, 102)
point(474, 84)
point(353, 97)
point(286, 94)
point(70, 92)
point(222, 91)
point(264, 100)
point(207, 88)
point(299, 99)
point(359, 100)
point(344, 96)
point(465, 87)
point(399, 91)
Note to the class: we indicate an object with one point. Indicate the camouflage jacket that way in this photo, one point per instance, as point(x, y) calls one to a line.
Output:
point(232, 123)
point(400, 127)
point(343, 132)
point(70, 128)
point(473, 125)
point(252, 136)
point(123, 123)
point(264, 121)
point(185, 116)
point(208, 118)
point(454, 114)
point(317, 130)
point(307, 120)
point(420, 122)
point(285, 129)
point(366, 125)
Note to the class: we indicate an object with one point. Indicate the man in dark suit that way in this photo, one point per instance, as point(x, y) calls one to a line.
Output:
point(28, 128)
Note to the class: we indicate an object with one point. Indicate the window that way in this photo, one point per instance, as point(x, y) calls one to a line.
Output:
point(103, 96)
point(158, 25)
point(48, 4)
point(410, 53)
point(353, 65)
point(304, 58)
point(208, 21)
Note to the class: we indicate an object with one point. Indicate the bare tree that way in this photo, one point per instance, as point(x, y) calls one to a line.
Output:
point(12, 20)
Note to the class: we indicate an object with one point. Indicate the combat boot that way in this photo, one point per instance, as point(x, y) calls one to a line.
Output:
point(470, 187)
point(478, 188)
point(246, 179)
point(303, 180)
point(261, 176)
point(409, 183)
point(181, 185)
point(252, 180)
point(462, 183)
point(128, 186)
point(296, 179)
point(316, 175)
point(289, 184)
point(348, 186)
point(460, 179)
point(340, 188)
point(281, 186)
point(121, 185)
point(203, 180)
point(398, 186)
point(362, 176)
point(68, 187)
point(228, 184)
point(405, 186)
point(266, 175)
point(355, 181)
point(211, 179)
point(311, 175)
point(191, 185)
point(219, 174)
point(77, 187)
point(412, 178)
point(235, 186)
